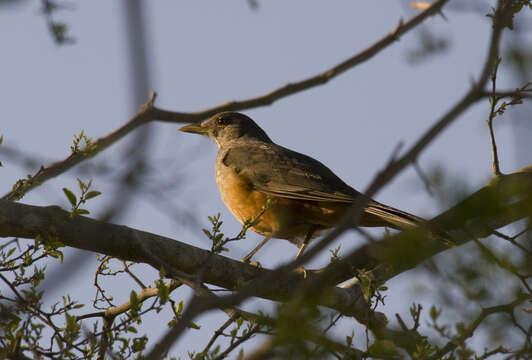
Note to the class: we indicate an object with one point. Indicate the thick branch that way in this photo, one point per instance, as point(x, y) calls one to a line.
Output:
point(28, 221)
point(503, 201)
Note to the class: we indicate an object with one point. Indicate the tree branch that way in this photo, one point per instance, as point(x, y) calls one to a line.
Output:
point(501, 202)
point(27, 221)
point(468, 332)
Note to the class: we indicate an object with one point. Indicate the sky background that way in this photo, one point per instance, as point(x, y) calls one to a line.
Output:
point(204, 53)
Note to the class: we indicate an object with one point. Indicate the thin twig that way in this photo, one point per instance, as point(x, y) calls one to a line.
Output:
point(423, 177)
point(219, 332)
point(511, 240)
point(493, 113)
point(468, 332)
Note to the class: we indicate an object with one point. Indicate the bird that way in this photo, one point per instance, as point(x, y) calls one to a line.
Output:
point(305, 197)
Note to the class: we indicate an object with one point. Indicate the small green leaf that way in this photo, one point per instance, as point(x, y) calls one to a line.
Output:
point(58, 254)
point(10, 252)
point(81, 212)
point(164, 291)
point(434, 313)
point(180, 307)
point(131, 329)
point(134, 301)
point(349, 340)
point(70, 196)
point(139, 344)
point(239, 321)
point(192, 325)
point(81, 185)
point(92, 194)
point(383, 349)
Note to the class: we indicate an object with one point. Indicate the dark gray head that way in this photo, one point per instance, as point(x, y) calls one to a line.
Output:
point(227, 126)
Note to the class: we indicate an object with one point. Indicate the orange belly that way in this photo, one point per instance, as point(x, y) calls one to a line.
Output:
point(289, 219)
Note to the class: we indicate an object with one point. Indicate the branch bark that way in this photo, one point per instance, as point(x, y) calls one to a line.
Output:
point(27, 221)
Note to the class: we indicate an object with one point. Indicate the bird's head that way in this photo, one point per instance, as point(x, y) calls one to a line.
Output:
point(227, 126)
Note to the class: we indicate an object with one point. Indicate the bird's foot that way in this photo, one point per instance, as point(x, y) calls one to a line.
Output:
point(255, 263)
point(301, 270)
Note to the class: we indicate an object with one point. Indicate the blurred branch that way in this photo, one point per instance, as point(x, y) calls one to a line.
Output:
point(148, 112)
point(503, 201)
point(522, 93)
point(59, 30)
point(468, 332)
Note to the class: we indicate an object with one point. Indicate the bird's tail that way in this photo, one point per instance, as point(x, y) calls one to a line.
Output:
point(377, 214)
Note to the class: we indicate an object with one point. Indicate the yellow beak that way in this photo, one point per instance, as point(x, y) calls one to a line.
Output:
point(195, 129)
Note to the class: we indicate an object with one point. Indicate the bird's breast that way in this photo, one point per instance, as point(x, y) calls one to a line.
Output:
point(243, 202)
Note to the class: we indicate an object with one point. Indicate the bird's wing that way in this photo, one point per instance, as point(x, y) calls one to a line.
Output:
point(277, 171)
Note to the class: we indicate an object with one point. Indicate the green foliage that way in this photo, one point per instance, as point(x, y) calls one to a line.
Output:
point(178, 311)
point(219, 240)
point(82, 144)
point(139, 343)
point(58, 29)
point(242, 331)
point(24, 318)
point(21, 186)
point(335, 254)
point(383, 349)
point(86, 194)
point(215, 234)
point(164, 291)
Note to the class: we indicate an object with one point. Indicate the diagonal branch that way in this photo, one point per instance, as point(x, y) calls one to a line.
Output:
point(503, 201)
point(508, 308)
point(148, 112)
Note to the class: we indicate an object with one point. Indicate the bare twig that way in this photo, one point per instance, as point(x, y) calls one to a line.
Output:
point(493, 113)
point(423, 177)
point(133, 276)
point(219, 332)
point(468, 332)
point(512, 240)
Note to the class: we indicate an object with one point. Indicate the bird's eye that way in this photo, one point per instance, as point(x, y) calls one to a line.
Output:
point(223, 121)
